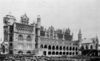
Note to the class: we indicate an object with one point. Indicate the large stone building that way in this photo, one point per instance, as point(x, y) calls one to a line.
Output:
point(25, 38)
point(19, 37)
point(57, 43)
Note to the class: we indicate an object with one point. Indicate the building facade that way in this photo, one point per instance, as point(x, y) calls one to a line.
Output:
point(57, 43)
point(25, 38)
point(18, 37)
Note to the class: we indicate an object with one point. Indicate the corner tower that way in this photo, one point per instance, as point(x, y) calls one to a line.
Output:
point(8, 21)
point(38, 25)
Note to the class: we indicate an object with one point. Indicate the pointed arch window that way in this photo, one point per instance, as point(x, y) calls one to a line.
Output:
point(70, 48)
point(29, 38)
point(45, 46)
point(49, 47)
point(56, 53)
point(73, 48)
point(67, 48)
point(53, 47)
point(57, 48)
point(20, 37)
point(60, 47)
point(64, 48)
point(53, 53)
point(41, 46)
point(49, 53)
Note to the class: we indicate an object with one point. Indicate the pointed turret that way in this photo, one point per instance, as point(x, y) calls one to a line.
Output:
point(79, 35)
point(97, 42)
point(38, 21)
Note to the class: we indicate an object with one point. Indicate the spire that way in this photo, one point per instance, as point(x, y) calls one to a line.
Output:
point(68, 30)
point(38, 21)
point(38, 18)
point(97, 42)
point(79, 35)
point(97, 39)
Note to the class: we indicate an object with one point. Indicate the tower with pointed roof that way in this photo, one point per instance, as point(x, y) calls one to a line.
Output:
point(38, 26)
point(79, 35)
point(97, 42)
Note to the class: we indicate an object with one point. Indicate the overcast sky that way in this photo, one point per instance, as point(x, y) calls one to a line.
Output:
point(75, 14)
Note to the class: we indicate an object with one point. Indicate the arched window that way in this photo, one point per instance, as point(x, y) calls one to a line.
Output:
point(49, 47)
point(28, 52)
point(63, 53)
point(60, 47)
point(56, 47)
point(53, 53)
point(20, 52)
point(70, 53)
point(20, 37)
point(60, 53)
point(70, 48)
point(76, 53)
point(53, 47)
point(45, 46)
point(66, 53)
point(44, 52)
point(64, 48)
point(49, 53)
point(41, 46)
point(73, 53)
point(56, 53)
point(29, 38)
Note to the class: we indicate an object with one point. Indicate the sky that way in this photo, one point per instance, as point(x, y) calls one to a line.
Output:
point(73, 14)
